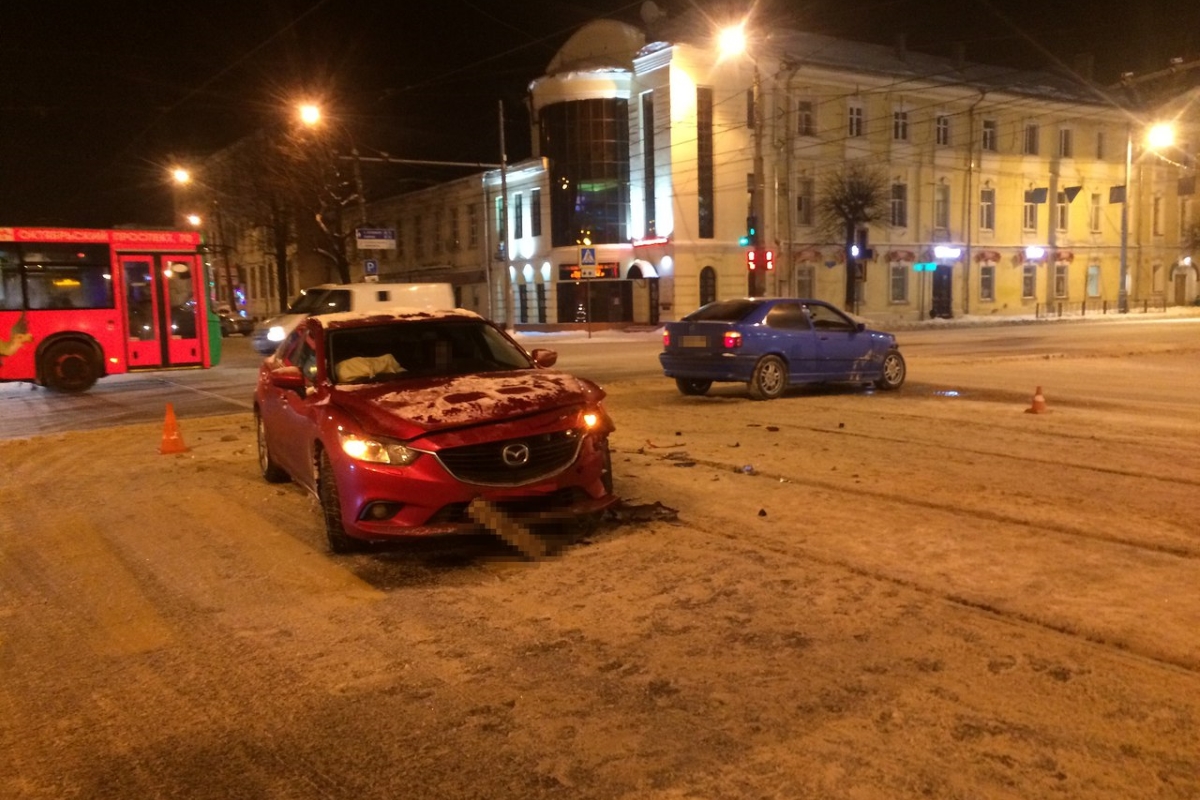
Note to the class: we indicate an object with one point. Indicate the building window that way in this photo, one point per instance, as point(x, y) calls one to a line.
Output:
point(942, 130)
point(898, 283)
point(1060, 281)
point(899, 205)
point(805, 201)
point(1101, 145)
point(419, 236)
point(517, 210)
point(1185, 219)
point(1093, 280)
point(1156, 216)
point(535, 212)
point(1066, 143)
point(648, 165)
point(708, 285)
point(453, 239)
point(806, 123)
point(1029, 144)
point(704, 162)
point(987, 209)
point(473, 226)
point(587, 144)
point(941, 207)
point(1062, 209)
point(806, 281)
point(439, 221)
point(1029, 280)
point(990, 135)
point(1029, 217)
point(987, 282)
point(857, 123)
point(400, 240)
point(498, 227)
point(900, 126)
point(1095, 213)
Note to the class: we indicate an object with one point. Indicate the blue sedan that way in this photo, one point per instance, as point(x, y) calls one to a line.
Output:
point(771, 343)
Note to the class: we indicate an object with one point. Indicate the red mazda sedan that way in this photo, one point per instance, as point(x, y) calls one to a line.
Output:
point(396, 422)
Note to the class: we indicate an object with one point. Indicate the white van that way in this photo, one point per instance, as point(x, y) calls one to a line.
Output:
point(332, 298)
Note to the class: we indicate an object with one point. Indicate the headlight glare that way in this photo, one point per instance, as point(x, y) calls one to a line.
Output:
point(379, 451)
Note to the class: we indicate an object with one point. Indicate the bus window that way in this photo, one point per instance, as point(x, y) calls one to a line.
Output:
point(11, 296)
point(76, 276)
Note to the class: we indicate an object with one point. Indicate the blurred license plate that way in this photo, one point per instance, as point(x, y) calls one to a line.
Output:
point(693, 341)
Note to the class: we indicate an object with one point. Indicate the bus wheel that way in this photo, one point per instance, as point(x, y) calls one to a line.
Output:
point(69, 367)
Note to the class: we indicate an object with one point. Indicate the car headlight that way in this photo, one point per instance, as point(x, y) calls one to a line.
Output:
point(596, 420)
point(379, 450)
point(275, 334)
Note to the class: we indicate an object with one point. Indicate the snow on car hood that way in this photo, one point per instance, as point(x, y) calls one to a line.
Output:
point(436, 404)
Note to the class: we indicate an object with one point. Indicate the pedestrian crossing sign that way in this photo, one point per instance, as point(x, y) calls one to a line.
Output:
point(587, 256)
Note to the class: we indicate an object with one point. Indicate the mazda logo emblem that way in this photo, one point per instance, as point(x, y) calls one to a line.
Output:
point(515, 455)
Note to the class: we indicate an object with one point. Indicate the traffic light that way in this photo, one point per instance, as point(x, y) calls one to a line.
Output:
point(751, 237)
point(770, 259)
point(751, 260)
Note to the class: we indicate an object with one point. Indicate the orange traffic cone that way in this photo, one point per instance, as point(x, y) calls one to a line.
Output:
point(172, 441)
point(1039, 403)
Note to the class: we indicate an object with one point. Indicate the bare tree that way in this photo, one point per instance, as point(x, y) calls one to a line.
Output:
point(291, 185)
point(851, 197)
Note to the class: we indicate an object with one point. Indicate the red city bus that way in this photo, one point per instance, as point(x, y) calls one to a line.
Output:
point(77, 304)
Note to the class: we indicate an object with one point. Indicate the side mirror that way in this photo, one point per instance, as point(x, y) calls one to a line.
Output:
point(287, 378)
point(543, 357)
point(860, 327)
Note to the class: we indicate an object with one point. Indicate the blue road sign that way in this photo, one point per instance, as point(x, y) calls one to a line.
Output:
point(587, 256)
point(371, 267)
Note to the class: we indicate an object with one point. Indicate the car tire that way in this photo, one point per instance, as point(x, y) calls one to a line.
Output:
point(271, 472)
point(769, 379)
point(894, 371)
point(606, 477)
point(693, 386)
point(331, 509)
point(69, 367)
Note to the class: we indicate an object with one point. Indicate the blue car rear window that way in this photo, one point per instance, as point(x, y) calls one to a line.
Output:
point(724, 311)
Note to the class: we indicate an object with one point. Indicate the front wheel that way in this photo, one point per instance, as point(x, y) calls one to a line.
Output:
point(331, 508)
point(70, 367)
point(692, 386)
point(271, 472)
point(894, 371)
point(769, 378)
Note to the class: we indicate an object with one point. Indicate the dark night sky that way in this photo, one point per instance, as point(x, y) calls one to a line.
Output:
point(96, 96)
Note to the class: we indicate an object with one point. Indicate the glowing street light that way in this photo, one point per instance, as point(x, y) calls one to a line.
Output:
point(732, 40)
point(310, 114)
point(194, 220)
point(181, 176)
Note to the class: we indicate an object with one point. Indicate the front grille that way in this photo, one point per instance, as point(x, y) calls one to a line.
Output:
point(486, 464)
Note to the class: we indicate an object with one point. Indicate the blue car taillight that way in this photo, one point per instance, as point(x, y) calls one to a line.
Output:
point(732, 340)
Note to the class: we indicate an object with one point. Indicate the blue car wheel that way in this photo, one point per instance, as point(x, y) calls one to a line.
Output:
point(769, 378)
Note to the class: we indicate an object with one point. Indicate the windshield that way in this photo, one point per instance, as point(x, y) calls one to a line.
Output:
point(723, 311)
point(308, 301)
point(420, 349)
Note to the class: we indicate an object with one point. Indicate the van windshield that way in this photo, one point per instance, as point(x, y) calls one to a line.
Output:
point(308, 301)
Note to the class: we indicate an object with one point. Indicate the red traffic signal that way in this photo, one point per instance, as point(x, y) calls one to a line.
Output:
point(764, 257)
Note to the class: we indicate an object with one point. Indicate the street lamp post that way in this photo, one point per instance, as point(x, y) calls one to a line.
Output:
point(732, 41)
point(1123, 286)
point(1158, 136)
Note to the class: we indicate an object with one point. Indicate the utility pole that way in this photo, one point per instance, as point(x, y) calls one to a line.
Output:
point(757, 278)
point(508, 287)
